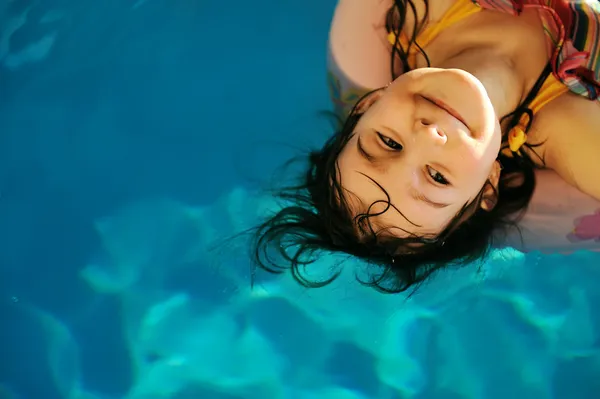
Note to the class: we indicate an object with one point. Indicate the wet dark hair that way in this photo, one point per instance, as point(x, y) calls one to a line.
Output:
point(318, 218)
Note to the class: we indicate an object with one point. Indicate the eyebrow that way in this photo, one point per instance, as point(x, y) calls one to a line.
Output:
point(362, 152)
point(421, 197)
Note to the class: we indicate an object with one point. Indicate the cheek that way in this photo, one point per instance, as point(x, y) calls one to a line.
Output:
point(471, 158)
point(474, 165)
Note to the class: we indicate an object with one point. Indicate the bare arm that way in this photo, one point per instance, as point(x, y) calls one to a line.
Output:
point(573, 145)
point(357, 44)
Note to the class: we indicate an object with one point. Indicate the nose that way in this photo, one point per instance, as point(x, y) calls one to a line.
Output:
point(431, 131)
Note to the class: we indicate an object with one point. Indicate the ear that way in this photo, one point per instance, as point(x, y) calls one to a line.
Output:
point(490, 192)
point(369, 99)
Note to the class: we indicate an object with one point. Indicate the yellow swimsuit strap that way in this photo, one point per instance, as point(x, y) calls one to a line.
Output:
point(459, 10)
point(550, 90)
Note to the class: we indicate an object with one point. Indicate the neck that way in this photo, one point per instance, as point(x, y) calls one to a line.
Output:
point(504, 86)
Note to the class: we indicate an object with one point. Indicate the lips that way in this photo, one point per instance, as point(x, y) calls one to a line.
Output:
point(448, 109)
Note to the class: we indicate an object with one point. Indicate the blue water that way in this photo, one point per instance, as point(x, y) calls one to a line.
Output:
point(133, 134)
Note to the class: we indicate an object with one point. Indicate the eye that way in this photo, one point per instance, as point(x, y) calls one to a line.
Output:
point(389, 142)
point(437, 176)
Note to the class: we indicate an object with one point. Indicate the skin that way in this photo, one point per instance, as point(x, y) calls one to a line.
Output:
point(426, 159)
point(433, 135)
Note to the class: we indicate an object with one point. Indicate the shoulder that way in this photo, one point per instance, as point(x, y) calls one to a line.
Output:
point(569, 128)
point(565, 118)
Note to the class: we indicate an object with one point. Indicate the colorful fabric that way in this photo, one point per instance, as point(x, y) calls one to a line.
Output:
point(573, 31)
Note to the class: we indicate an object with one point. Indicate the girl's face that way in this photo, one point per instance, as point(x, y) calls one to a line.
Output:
point(430, 140)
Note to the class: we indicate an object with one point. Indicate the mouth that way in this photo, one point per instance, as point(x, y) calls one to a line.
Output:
point(448, 109)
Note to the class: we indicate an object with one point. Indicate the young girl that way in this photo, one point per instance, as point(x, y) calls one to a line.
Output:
point(427, 170)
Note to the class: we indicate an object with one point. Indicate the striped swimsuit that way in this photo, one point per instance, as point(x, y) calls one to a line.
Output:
point(573, 31)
